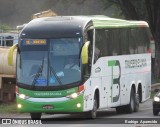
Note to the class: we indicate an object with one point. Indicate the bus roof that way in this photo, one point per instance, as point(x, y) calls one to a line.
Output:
point(68, 26)
point(55, 27)
point(101, 21)
point(107, 22)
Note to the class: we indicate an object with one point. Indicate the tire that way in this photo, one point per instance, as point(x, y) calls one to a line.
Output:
point(120, 109)
point(136, 108)
point(155, 112)
point(35, 116)
point(131, 106)
point(93, 113)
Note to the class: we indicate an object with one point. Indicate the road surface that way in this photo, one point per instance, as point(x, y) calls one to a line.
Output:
point(105, 118)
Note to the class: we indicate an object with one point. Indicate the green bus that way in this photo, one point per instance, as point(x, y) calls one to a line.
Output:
point(79, 64)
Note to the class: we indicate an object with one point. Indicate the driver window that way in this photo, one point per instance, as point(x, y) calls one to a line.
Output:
point(87, 67)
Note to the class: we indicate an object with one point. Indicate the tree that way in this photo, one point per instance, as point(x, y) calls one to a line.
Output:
point(4, 28)
point(148, 10)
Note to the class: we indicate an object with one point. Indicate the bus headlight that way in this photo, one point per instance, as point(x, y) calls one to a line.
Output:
point(78, 93)
point(23, 96)
point(74, 95)
point(157, 99)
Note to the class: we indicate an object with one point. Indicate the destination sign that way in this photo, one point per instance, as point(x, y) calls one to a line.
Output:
point(35, 42)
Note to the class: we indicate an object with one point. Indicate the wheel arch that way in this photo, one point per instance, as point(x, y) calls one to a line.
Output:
point(133, 86)
point(97, 94)
point(139, 91)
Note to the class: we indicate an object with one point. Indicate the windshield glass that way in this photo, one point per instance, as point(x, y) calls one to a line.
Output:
point(53, 63)
point(64, 61)
point(33, 68)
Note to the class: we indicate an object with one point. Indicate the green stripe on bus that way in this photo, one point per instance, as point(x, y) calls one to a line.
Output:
point(47, 94)
point(111, 63)
point(64, 106)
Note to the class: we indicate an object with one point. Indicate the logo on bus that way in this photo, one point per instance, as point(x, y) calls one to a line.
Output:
point(115, 80)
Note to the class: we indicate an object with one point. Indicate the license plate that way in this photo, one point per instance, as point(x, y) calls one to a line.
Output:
point(47, 107)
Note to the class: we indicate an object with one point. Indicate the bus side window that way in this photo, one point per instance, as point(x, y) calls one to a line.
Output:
point(98, 42)
point(145, 40)
point(101, 47)
point(133, 41)
point(124, 41)
point(89, 37)
point(90, 50)
point(87, 67)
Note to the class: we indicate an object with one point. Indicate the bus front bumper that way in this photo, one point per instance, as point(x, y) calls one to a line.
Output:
point(49, 106)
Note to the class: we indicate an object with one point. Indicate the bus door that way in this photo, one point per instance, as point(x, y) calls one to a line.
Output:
point(97, 72)
point(123, 90)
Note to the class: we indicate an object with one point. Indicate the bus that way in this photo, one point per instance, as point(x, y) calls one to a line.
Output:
point(112, 58)
point(8, 39)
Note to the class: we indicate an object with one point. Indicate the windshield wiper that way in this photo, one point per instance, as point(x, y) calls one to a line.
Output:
point(39, 72)
point(54, 72)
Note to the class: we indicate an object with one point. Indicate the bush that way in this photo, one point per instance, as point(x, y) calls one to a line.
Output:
point(4, 27)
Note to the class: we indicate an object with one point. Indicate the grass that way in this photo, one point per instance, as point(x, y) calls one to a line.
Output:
point(8, 108)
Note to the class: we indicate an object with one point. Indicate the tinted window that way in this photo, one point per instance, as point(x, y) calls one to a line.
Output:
point(121, 41)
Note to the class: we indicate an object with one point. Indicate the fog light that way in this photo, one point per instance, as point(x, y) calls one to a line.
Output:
point(78, 105)
point(19, 106)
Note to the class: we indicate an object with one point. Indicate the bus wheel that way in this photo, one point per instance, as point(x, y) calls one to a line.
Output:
point(155, 112)
point(136, 108)
point(35, 116)
point(93, 113)
point(131, 106)
point(120, 109)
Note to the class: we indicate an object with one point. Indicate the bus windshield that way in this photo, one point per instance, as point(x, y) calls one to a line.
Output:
point(53, 63)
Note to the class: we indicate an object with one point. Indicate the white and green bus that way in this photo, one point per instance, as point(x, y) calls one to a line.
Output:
point(112, 58)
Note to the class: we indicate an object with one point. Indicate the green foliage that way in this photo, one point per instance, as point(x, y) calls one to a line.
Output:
point(114, 9)
point(4, 27)
point(117, 13)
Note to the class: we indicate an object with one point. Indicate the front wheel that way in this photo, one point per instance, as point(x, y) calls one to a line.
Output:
point(120, 109)
point(155, 112)
point(35, 116)
point(93, 113)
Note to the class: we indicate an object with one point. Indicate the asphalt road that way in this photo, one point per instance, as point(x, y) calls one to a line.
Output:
point(105, 118)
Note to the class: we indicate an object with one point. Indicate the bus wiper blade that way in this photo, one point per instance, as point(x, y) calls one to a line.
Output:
point(58, 79)
point(39, 72)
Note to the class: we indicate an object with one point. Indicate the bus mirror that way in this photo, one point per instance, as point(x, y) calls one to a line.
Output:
point(84, 53)
point(10, 54)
